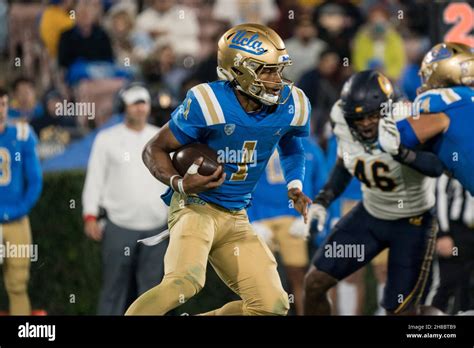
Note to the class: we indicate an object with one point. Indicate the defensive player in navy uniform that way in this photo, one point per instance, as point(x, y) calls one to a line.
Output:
point(20, 188)
point(251, 111)
point(396, 209)
point(274, 219)
point(444, 119)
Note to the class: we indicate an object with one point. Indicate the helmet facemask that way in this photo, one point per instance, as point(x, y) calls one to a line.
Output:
point(245, 74)
point(366, 135)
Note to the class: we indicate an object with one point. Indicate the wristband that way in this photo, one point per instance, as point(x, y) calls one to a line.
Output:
point(180, 187)
point(89, 217)
point(171, 181)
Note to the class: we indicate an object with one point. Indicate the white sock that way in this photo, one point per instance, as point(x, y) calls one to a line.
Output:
point(380, 310)
point(347, 298)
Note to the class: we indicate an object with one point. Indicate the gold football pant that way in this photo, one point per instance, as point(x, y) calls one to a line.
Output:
point(16, 270)
point(293, 250)
point(199, 232)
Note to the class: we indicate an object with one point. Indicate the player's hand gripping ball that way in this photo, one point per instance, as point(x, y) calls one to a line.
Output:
point(198, 164)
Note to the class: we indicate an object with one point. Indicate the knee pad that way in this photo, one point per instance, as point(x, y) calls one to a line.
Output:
point(191, 281)
point(274, 303)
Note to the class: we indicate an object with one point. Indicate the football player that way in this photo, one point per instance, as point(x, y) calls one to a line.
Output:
point(20, 188)
point(275, 220)
point(396, 209)
point(443, 121)
point(250, 112)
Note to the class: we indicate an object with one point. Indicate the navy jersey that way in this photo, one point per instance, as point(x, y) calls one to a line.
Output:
point(211, 114)
point(455, 147)
point(270, 198)
point(20, 172)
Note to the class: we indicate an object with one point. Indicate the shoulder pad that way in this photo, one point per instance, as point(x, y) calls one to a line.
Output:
point(208, 103)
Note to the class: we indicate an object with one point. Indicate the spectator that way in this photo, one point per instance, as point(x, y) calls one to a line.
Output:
point(130, 45)
point(171, 24)
point(336, 23)
point(288, 11)
point(86, 42)
point(304, 49)
point(245, 11)
point(20, 188)
point(322, 85)
point(3, 25)
point(55, 20)
point(54, 129)
point(24, 105)
point(378, 46)
point(118, 181)
point(410, 80)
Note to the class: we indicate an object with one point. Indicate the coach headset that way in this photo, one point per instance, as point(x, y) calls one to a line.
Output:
point(120, 102)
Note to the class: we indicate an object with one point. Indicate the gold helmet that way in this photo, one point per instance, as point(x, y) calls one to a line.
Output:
point(246, 49)
point(447, 64)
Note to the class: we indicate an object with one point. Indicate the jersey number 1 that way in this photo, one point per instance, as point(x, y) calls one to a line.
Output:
point(377, 168)
point(246, 158)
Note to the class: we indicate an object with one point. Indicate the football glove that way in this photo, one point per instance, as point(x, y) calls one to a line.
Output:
point(316, 212)
point(389, 136)
point(298, 228)
point(263, 231)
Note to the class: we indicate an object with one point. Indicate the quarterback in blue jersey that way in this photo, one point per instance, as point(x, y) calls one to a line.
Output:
point(251, 112)
point(20, 188)
point(275, 220)
point(445, 108)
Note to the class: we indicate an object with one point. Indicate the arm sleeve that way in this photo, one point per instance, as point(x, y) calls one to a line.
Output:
point(319, 172)
point(95, 177)
point(427, 163)
point(316, 171)
point(407, 134)
point(187, 121)
point(338, 180)
point(33, 177)
point(292, 158)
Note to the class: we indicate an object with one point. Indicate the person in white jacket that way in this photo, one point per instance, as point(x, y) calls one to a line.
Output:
point(118, 183)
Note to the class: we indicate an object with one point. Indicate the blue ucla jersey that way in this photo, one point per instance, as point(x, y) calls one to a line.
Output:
point(455, 147)
point(20, 172)
point(212, 115)
point(270, 198)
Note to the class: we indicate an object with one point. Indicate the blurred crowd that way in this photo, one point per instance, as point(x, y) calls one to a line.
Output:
point(60, 51)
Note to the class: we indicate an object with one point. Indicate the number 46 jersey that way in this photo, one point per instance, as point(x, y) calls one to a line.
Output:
point(390, 189)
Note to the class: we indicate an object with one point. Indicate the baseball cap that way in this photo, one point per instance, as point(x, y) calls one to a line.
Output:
point(136, 94)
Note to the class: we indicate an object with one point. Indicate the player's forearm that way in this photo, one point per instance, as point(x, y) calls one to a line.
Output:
point(338, 180)
point(426, 163)
point(427, 126)
point(292, 158)
point(158, 162)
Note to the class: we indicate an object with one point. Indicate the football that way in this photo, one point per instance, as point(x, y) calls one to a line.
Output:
point(185, 156)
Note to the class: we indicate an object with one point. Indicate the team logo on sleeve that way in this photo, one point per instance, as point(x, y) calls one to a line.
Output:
point(188, 107)
point(229, 128)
